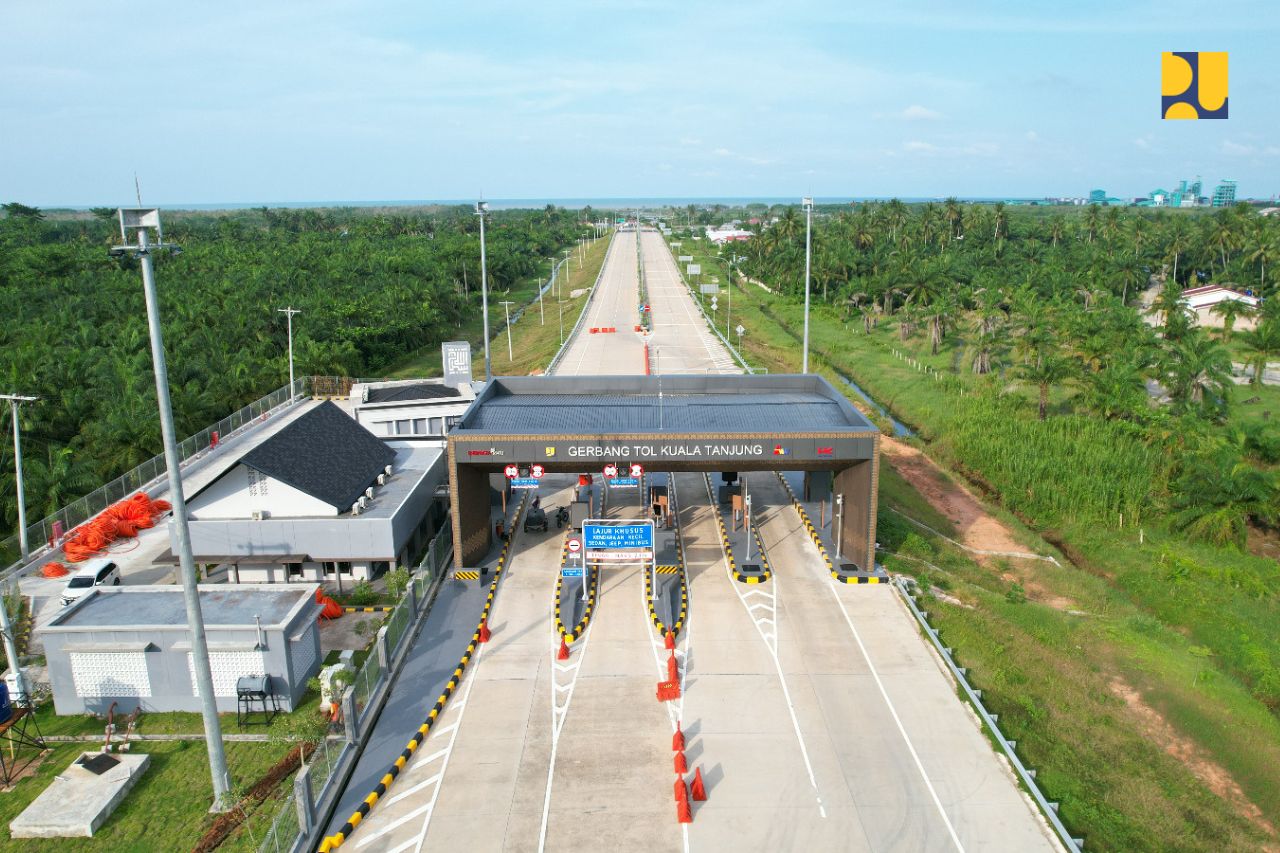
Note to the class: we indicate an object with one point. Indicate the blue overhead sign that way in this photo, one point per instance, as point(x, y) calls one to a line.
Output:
point(624, 483)
point(524, 483)
point(623, 537)
point(570, 572)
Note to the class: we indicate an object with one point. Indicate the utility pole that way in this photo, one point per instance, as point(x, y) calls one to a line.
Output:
point(506, 308)
point(808, 227)
point(10, 647)
point(728, 311)
point(541, 313)
point(289, 312)
point(561, 304)
point(16, 400)
point(139, 220)
point(482, 207)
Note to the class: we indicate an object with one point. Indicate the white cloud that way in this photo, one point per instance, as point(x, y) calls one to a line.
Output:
point(1032, 136)
point(722, 152)
point(917, 145)
point(1143, 142)
point(915, 112)
point(1229, 147)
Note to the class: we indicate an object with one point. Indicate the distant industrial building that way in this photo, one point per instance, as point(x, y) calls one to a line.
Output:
point(321, 500)
point(1224, 194)
point(130, 646)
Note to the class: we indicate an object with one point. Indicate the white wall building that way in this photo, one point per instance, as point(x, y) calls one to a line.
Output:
point(415, 410)
point(321, 500)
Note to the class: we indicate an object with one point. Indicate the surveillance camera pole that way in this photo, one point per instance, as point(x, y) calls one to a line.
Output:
point(808, 227)
point(10, 647)
point(16, 400)
point(141, 221)
point(289, 312)
point(481, 208)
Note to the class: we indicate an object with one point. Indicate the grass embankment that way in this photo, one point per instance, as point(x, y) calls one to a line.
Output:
point(534, 348)
point(1132, 680)
point(169, 807)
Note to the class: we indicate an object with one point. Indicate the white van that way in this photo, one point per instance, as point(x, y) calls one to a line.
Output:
point(100, 572)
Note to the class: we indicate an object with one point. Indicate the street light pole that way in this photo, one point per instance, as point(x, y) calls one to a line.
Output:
point(289, 312)
point(482, 207)
point(16, 400)
point(506, 309)
point(728, 311)
point(140, 220)
point(541, 312)
point(808, 227)
point(561, 304)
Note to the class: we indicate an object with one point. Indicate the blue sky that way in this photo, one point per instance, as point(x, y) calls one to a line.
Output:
point(281, 101)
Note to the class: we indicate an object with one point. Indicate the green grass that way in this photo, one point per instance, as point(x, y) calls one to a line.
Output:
point(1191, 627)
point(156, 723)
point(535, 350)
point(166, 810)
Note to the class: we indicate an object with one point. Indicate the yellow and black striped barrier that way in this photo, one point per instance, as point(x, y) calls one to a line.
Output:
point(581, 627)
point(467, 575)
point(336, 840)
point(822, 549)
point(376, 608)
point(740, 577)
point(668, 570)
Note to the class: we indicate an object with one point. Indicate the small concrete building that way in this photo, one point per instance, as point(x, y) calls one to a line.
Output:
point(321, 500)
point(419, 410)
point(130, 645)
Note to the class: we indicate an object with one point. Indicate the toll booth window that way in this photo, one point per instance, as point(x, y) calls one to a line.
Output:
point(419, 426)
point(437, 426)
point(402, 427)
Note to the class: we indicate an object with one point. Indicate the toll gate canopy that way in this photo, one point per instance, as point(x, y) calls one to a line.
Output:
point(712, 422)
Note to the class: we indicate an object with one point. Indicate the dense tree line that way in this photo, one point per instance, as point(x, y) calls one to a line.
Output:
point(1059, 303)
point(373, 288)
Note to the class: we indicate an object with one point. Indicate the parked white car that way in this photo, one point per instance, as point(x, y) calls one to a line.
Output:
point(100, 572)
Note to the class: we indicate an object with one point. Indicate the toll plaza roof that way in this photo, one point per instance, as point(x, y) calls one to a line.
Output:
point(713, 404)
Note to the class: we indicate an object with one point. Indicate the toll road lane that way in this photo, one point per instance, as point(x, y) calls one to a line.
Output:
point(681, 341)
point(911, 757)
point(478, 782)
point(614, 305)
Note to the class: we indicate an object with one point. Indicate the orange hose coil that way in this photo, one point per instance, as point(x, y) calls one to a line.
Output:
point(122, 519)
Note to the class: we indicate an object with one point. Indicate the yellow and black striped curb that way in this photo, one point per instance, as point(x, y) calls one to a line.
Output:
point(679, 568)
point(728, 549)
point(822, 549)
point(467, 575)
point(581, 627)
point(377, 608)
point(336, 840)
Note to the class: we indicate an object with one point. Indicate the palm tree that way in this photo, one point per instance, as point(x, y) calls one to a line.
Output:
point(1047, 370)
point(1217, 494)
point(1117, 390)
point(1265, 248)
point(1091, 216)
point(1198, 371)
point(990, 338)
point(1230, 310)
point(1178, 243)
point(952, 213)
point(1262, 344)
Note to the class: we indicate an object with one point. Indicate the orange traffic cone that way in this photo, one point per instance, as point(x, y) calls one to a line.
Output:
point(563, 654)
point(684, 814)
point(677, 740)
point(698, 789)
point(484, 631)
point(670, 642)
point(681, 765)
point(682, 790)
point(673, 669)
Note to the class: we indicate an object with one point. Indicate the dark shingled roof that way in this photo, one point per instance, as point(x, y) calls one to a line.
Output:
point(324, 453)
point(416, 391)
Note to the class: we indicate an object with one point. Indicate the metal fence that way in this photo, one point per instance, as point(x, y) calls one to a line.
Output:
point(285, 829)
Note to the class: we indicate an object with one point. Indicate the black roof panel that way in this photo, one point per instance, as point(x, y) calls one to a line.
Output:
point(324, 453)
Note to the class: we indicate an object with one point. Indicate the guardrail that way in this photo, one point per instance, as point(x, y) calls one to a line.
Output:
point(959, 673)
point(582, 316)
point(318, 785)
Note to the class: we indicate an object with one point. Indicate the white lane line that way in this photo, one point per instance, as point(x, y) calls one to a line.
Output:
point(414, 789)
point(675, 709)
point(455, 727)
point(770, 643)
point(559, 714)
point(395, 824)
point(830, 584)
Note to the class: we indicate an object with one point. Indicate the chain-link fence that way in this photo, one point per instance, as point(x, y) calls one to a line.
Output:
point(285, 829)
point(366, 682)
point(323, 761)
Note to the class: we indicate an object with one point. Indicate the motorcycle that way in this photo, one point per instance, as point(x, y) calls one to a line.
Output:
point(562, 516)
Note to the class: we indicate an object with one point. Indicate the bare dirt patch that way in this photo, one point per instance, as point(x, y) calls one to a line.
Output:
point(975, 527)
point(1212, 774)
